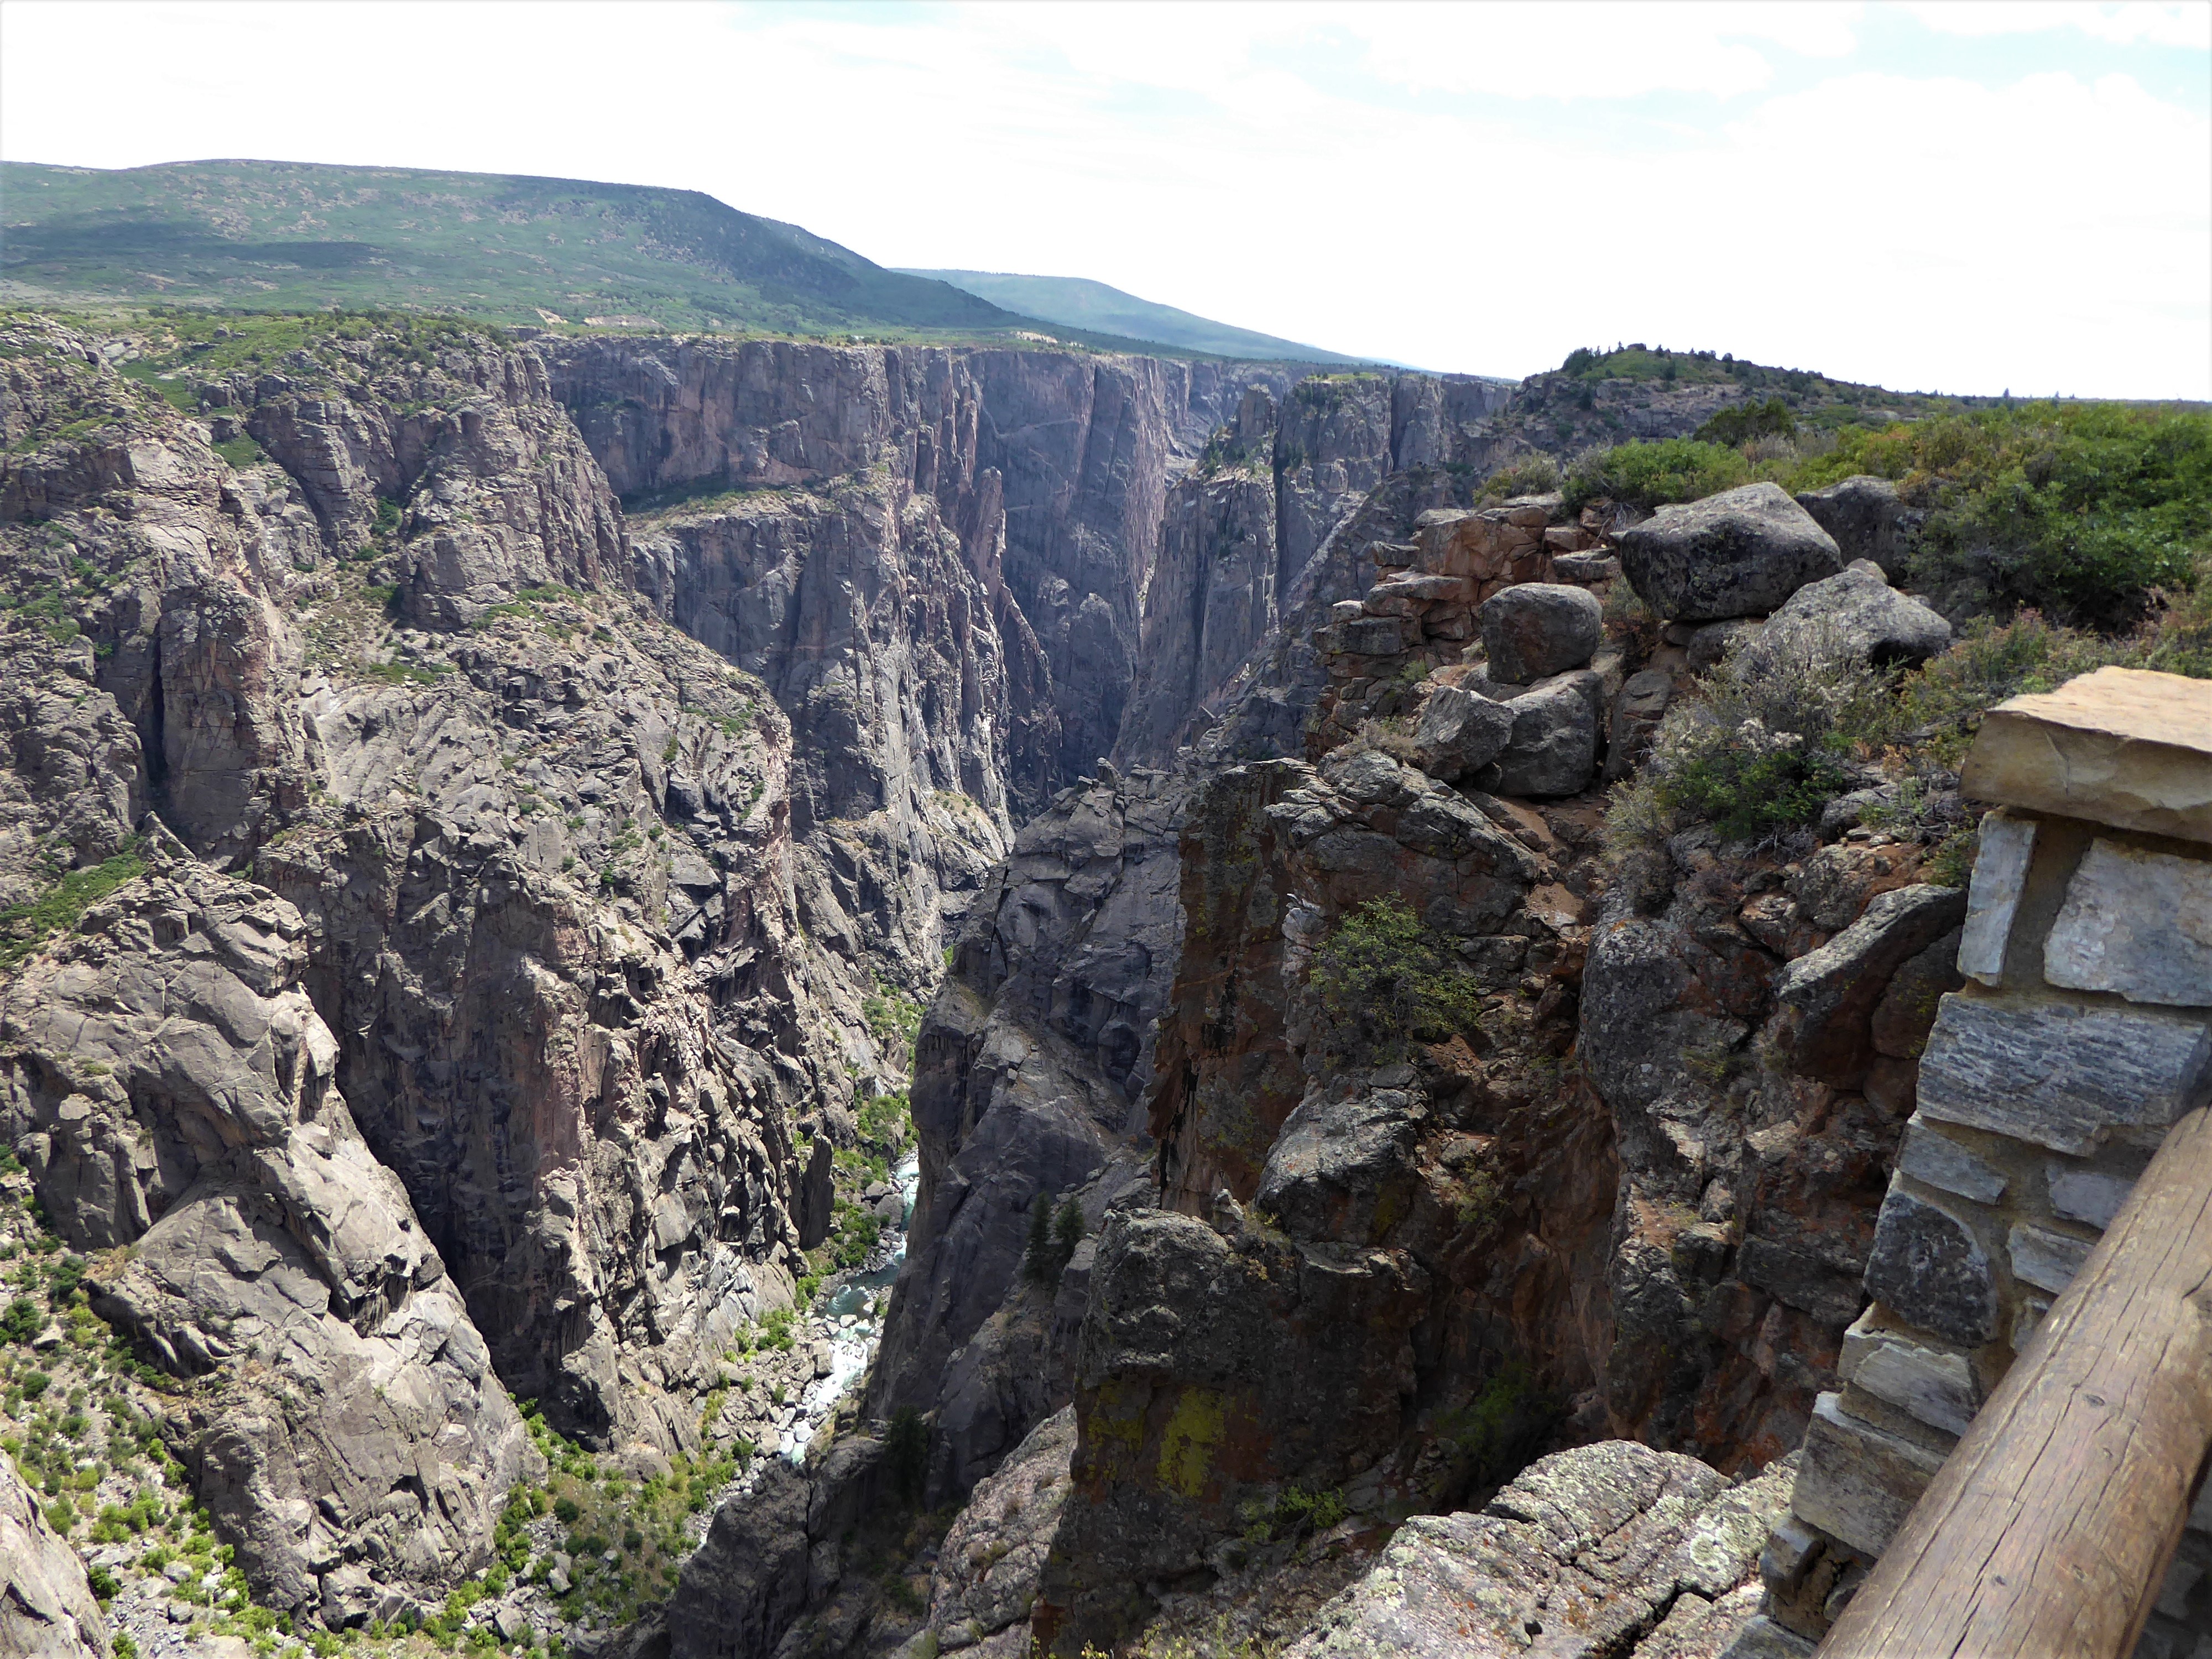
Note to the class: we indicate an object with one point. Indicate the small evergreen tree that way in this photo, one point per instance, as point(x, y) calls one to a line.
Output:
point(1066, 1234)
point(1036, 1259)
point(906, 1453)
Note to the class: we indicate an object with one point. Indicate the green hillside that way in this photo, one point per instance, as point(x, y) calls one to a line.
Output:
point(284, 236)
point(1077, 302)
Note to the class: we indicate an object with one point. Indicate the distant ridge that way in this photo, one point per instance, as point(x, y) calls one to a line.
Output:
point(292, 236)
point(1079, 302)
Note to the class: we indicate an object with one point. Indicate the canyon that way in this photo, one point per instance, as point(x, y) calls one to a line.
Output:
point(514, 836)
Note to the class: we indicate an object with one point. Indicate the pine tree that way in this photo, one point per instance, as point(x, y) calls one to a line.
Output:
point(1036, 1259)
point(1066, 1234)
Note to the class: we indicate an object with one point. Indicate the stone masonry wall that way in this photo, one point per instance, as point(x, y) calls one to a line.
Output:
point(2083, 1032)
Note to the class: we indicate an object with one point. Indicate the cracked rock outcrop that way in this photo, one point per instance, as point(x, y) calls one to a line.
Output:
point(1613, 1548)
point(171, 1089)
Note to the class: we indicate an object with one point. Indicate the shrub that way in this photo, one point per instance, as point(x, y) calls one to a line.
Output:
point(565, 1511)
point(1067, 1233)
point(24, 927)
point(1504, 1426)
point(1383, 980)
point(2081, 510)
point(22, 1321)
point(1758, 748)
point(1740, 424)
point(1650, 475)
point(906, 1453)
point(1532, 475)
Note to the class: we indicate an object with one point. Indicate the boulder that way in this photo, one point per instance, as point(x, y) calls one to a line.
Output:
point(1553, 747)
point(1858, 614)
point(1836, 988)
point(1611, 1548)
point(1536, 629)
point(1459, 731)
point(1588, 568)
point(1741, 553)
point(1867, 519)
point(46, 1609)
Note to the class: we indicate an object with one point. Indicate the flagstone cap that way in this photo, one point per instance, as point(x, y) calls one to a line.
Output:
point(2120, 746)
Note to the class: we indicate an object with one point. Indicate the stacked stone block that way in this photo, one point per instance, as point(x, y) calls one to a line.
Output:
point(2083, 1032)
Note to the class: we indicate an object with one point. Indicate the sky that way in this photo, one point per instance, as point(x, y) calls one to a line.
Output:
point(1963, 198)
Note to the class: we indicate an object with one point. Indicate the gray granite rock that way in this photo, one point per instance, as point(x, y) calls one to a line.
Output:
point(171, 1087)
point(1553, 748)
point(1907, 1012)
point(987, 1566)
point(1461, 732)
point(1927, 1265)
point(1636, 709)
point(2005, 844)
point(1742, 552)
point(2060, 1075)
point(1611, 1548)
point(1868, 519)
point(1533, 630)
point(1836, 988)
point(2137, 922)
point(46, 1609)
point(1855, 613)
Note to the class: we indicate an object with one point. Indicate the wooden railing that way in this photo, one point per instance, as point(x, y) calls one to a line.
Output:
point(2049, 1531)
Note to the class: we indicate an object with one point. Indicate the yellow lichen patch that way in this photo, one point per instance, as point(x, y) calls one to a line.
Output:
point(1186, 1447)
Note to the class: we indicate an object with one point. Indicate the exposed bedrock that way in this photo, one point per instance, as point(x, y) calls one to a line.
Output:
point(1352, 1247)
point(46, 1609)
point(1050, 471)
point(171, 1089)
point(1245, 562)
point(1759, 1086)
point(1029, 1065)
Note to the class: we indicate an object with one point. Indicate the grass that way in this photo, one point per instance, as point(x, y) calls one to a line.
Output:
point(24, 927)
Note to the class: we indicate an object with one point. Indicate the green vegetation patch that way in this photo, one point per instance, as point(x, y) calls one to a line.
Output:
point(2085, 511)
point(24, 928)
point(1653, 475)
point(1383, 981)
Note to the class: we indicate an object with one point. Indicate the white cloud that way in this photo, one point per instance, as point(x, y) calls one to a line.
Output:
point(1370, 179)
point(2188, 23)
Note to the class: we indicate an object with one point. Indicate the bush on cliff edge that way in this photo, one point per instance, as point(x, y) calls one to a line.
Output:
point(1383, 981)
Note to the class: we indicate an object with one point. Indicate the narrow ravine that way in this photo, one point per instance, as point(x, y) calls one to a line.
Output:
point(850, 1318)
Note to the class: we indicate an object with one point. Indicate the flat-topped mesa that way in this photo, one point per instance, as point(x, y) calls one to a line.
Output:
point(2054, 1090)
point(2120, 746)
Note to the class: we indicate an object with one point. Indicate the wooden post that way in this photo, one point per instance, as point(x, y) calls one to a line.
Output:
point(2050, 1529)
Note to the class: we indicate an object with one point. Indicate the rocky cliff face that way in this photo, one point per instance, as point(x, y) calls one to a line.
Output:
point(1244, 555)
point(170, 1086)
point(604, 725)
point(1049, 470)
point(1029, 1069)
point(1368, 1243)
